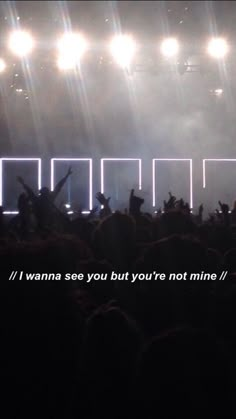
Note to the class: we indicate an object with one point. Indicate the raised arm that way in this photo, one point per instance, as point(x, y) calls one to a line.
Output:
point(135, 203)
point(105, 203)
point(225, 212)
point(29, 191)
point(60, 184)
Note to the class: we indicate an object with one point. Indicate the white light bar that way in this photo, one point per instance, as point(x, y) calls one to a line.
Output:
point(5, 159)
point(204, 167)
point(125, 159)
point(190, 179)
point(90, 175)
point(17, 212)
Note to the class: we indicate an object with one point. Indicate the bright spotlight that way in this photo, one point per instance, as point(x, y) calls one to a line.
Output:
point(66, 62)
point(123, 49)
point(71, 47)
point(21, 43)
point(218, 92)
point(170, 47)
point(218, 47)
point(2, 65)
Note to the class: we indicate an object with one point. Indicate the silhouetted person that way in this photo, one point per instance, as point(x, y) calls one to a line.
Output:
point(44, 209)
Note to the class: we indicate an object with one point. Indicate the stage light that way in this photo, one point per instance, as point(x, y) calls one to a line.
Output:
point(90, 180)
point(218, 92)
point(123, 49)
point(19, 159)
point(66, 63)
point(71, 48)
point(139, 161)
point(2, 65)
point(21, 43)
point(218, 48)
point(170, 47)
point(72, 44)
point(204, 161)
point(154, 198)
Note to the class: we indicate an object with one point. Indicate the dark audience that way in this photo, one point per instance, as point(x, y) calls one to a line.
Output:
point(113, 348)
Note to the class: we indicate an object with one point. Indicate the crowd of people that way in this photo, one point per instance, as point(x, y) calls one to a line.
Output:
point(148, 349)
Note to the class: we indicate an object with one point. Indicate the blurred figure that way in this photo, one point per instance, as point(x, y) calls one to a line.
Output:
point(44, 209)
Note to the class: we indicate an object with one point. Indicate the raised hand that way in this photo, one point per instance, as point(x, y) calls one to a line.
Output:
point(170, 204)
point(171, 196)
point(102, 199)
point(224, 207)
point(135, 203)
